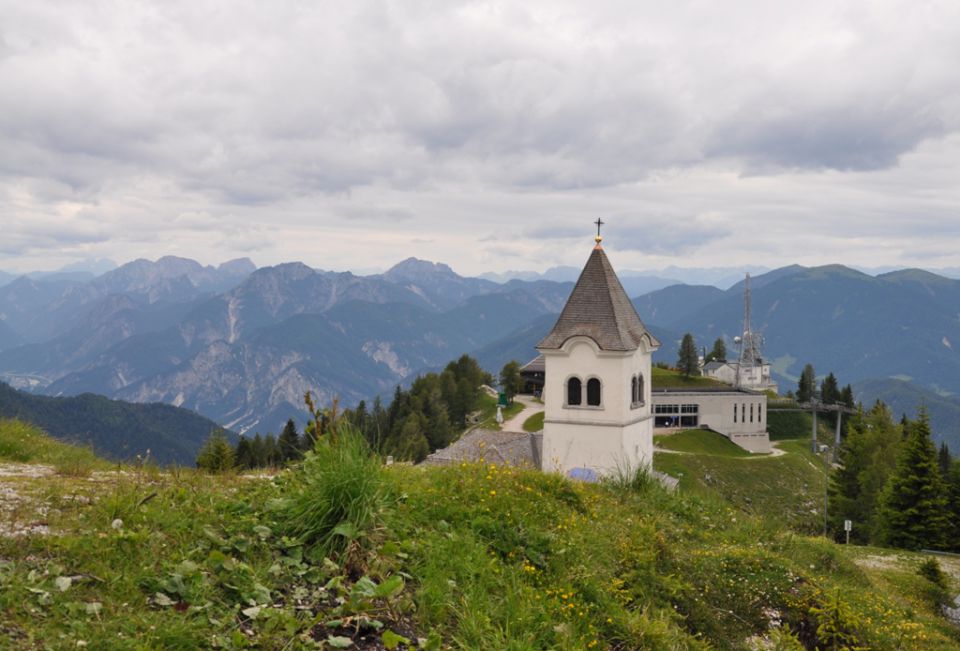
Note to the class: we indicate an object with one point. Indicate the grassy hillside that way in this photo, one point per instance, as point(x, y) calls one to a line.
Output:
point(665, 378)
point(24, 443)
point(345, 553)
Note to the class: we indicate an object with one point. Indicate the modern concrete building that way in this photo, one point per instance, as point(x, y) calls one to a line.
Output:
point(738, 414)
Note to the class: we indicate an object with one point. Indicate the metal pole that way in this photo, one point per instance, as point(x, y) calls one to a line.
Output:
point(826, 466)
point(813, 435)
point(836, 442)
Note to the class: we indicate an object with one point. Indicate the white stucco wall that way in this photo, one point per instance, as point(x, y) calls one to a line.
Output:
point(615, 435)
point(716, 412)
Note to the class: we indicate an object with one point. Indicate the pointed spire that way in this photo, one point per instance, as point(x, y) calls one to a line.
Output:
point(600, 309)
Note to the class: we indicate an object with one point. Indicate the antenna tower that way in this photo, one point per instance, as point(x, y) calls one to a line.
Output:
point(749, 342)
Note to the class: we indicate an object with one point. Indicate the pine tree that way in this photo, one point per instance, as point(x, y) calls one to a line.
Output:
point(511, 382)
point(866, 459)
point(216, 454)
point(829, 390)
point(806, 387)
point(257, 452)
point(242, 456)
point(687, 358)
point(953, 506)
point(719, 352)
point(846, 397)
point(288, 443)
point(913, 505)
point(944, 460)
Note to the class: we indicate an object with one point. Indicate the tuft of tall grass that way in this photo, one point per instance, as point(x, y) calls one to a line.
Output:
point(338, 496)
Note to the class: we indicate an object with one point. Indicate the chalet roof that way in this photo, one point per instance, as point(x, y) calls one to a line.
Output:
point(535, 365)
point(599, 308)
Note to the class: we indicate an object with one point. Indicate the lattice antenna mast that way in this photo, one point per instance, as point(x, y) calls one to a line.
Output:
point(749, 344)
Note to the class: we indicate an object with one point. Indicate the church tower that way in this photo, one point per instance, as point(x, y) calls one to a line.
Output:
point(597, 379)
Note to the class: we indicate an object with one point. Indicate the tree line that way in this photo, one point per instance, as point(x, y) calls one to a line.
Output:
point(419, 420)
point(894, 485)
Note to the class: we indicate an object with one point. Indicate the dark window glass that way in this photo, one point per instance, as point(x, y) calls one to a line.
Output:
point(633, 389)
point(640, 389)
point(593, 392)
point(574, 390)
point(734, 413)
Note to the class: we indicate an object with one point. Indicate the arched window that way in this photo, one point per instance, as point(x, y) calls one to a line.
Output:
point(641, 392)
point(574, 391)
point(633, 390)
point(593, 392)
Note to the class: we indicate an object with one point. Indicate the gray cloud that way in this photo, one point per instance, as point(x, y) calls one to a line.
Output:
point(266, 128)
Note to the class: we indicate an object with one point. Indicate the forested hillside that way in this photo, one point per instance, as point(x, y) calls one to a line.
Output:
point(115, 429)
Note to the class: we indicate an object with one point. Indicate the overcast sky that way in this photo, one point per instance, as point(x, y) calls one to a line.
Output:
point(350, 135)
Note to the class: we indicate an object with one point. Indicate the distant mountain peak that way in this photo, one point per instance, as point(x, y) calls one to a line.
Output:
point(414, 268)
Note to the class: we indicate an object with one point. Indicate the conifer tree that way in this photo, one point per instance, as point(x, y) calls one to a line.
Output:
point(806, 387)
point(288, 444)
point(687, 358)
point(216, 454)
point(944, 460)
point(829, 390)
point(953, 506)
point(511, 382)
point(242, 456)
point(913, 504)
point(719, 352)
point(866, 459)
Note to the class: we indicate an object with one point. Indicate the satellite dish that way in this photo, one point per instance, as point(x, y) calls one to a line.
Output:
point(737, 340)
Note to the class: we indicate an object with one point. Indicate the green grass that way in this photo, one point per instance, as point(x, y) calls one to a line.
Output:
point(664, 378)
point(468, 557)
point(699, 441)
point(534, 423)
point(787, 488)
point(488, 417)
point(24, 443)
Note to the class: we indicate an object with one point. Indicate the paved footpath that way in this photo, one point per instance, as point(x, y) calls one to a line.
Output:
point(530, 407)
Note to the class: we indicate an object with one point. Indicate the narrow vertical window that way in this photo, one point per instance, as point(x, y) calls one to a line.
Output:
point(751, 412)
point(734, 413)
point(633, 390)
point(574, 391)
point(593, 392)
point(759, 408)
point(641, 390)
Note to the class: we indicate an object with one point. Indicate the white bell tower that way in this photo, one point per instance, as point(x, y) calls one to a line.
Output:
point(597, 379)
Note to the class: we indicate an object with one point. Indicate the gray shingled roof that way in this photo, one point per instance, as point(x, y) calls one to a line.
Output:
point(519, 449)
point(599, 308)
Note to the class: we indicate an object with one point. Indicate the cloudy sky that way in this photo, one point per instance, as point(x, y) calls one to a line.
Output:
point(488, 135)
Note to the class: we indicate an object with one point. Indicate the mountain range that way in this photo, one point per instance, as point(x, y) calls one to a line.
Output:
point(242, 345)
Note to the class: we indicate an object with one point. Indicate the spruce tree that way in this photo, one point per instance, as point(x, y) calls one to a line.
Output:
point(829, 390)
point(944, 460)
point(806, 387)
point(511, 382)
point(242, 457)
point(866, 459)
point(913, 504)
point(687, 358)
point(719, 352)
point(216, 454)
point(288, 443)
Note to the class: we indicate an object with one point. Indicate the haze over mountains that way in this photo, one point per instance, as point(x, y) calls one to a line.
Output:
point(242, 345)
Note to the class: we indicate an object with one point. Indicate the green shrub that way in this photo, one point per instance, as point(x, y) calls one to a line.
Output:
point(216, 453)
point(339, 494)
